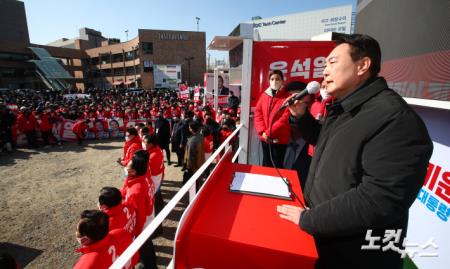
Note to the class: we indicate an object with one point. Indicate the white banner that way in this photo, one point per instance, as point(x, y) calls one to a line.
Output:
point(428, 236)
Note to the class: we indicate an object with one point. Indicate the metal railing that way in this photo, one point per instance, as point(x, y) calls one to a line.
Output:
point(188, 187)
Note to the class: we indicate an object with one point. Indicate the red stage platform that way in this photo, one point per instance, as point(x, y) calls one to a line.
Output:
point(223, 229)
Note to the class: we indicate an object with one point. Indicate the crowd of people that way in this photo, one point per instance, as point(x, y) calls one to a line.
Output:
point(161, 124)
point(365, 153)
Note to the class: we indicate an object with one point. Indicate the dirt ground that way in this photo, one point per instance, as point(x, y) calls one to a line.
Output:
point(42, 193)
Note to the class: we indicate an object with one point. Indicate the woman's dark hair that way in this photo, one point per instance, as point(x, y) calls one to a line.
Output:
point(132, 131)
point(151, 139)
point(110, 196)
point(276, 72)
point(363, 46)
point(93, 224)
point(140, 162)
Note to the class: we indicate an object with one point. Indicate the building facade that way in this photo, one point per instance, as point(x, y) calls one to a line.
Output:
point(92, 60)
point(304, 25)
point(132, 63)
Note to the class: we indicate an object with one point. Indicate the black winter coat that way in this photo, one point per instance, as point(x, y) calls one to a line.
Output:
point(162, 129)
point(369, 164)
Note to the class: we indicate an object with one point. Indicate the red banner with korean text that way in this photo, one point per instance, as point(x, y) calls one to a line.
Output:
point(298, 60)
point(424, 76)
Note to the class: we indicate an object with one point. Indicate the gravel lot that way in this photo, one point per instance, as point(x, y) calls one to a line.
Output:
point(43, 191)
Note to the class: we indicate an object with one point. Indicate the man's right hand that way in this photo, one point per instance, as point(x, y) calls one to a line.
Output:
point(298, 108)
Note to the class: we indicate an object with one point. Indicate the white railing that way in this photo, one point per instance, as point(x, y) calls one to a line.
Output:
point(189, 186)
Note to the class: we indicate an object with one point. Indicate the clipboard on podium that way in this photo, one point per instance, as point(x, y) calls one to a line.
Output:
point(260, 185)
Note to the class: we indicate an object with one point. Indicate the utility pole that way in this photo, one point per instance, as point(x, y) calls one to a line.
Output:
point(198, 22)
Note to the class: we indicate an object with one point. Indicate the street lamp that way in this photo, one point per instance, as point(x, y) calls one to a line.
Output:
point(126, 34)
point(189, 59)
point(198, 20)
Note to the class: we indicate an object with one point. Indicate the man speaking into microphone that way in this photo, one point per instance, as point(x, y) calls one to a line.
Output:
point(371, 157)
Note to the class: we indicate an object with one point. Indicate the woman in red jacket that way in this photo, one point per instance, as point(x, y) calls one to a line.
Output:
point(132, 144)
point(272, 125)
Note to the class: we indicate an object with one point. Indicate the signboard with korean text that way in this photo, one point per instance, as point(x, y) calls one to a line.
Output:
point(298, 60)
point(428, 229)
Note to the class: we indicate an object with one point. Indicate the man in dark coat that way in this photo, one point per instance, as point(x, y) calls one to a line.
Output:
point(177, 132)
point(162, 130)
point(7, 120)
point(232, 101)
point(370, 161)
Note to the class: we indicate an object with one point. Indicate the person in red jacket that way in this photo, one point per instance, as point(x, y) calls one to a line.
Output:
point(121, 216)
point(135, 193)
point(43, 125)
point(208, 141)
point(272, 125)
point(100, 247)
point(155, 171)
point(132, 144)
point(27, 124)
point(79, 129)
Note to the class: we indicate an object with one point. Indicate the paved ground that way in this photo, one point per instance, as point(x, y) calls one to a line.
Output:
point(43, 191)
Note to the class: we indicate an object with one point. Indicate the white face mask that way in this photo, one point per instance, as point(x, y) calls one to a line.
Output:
point(127, 138)
point(275, 85)
point(125, 172)
point(144, 146)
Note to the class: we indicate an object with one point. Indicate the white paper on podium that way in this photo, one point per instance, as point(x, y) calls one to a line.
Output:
point(260, 185)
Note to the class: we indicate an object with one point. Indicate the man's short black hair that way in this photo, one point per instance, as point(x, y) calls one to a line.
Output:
point(140, 162)
point(295, 86)
point(195, 126)
point(110, 196)
point(93, 224)
point(145, 131)
point(132, 131)
point(152, 139)
point(363, 46)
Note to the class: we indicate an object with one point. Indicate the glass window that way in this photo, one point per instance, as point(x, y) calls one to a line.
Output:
point(147, 47)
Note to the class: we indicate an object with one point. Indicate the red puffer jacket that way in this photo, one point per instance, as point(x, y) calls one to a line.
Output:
point(266, 114)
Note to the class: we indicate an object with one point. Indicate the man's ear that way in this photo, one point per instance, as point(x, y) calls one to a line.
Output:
point(364, 65)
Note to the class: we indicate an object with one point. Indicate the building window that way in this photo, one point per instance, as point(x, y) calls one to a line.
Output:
point(147, 47)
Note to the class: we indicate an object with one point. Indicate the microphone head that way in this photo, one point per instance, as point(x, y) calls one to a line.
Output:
point(313, 87)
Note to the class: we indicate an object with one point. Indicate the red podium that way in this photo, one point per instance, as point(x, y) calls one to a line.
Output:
point(223, 229)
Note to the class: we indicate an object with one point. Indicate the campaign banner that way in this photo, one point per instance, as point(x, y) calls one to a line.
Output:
point(298, 60)
point(184, 94)
point(428, 227)
point(196, 93)
point(65, 130)
point(116, 128)
point(77, 96)
point(423, 76)
point(132, 123)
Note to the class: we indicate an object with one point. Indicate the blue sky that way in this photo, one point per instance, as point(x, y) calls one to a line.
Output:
point(49, 20)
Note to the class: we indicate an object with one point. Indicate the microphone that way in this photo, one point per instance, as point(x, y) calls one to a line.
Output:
point(312, 88)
